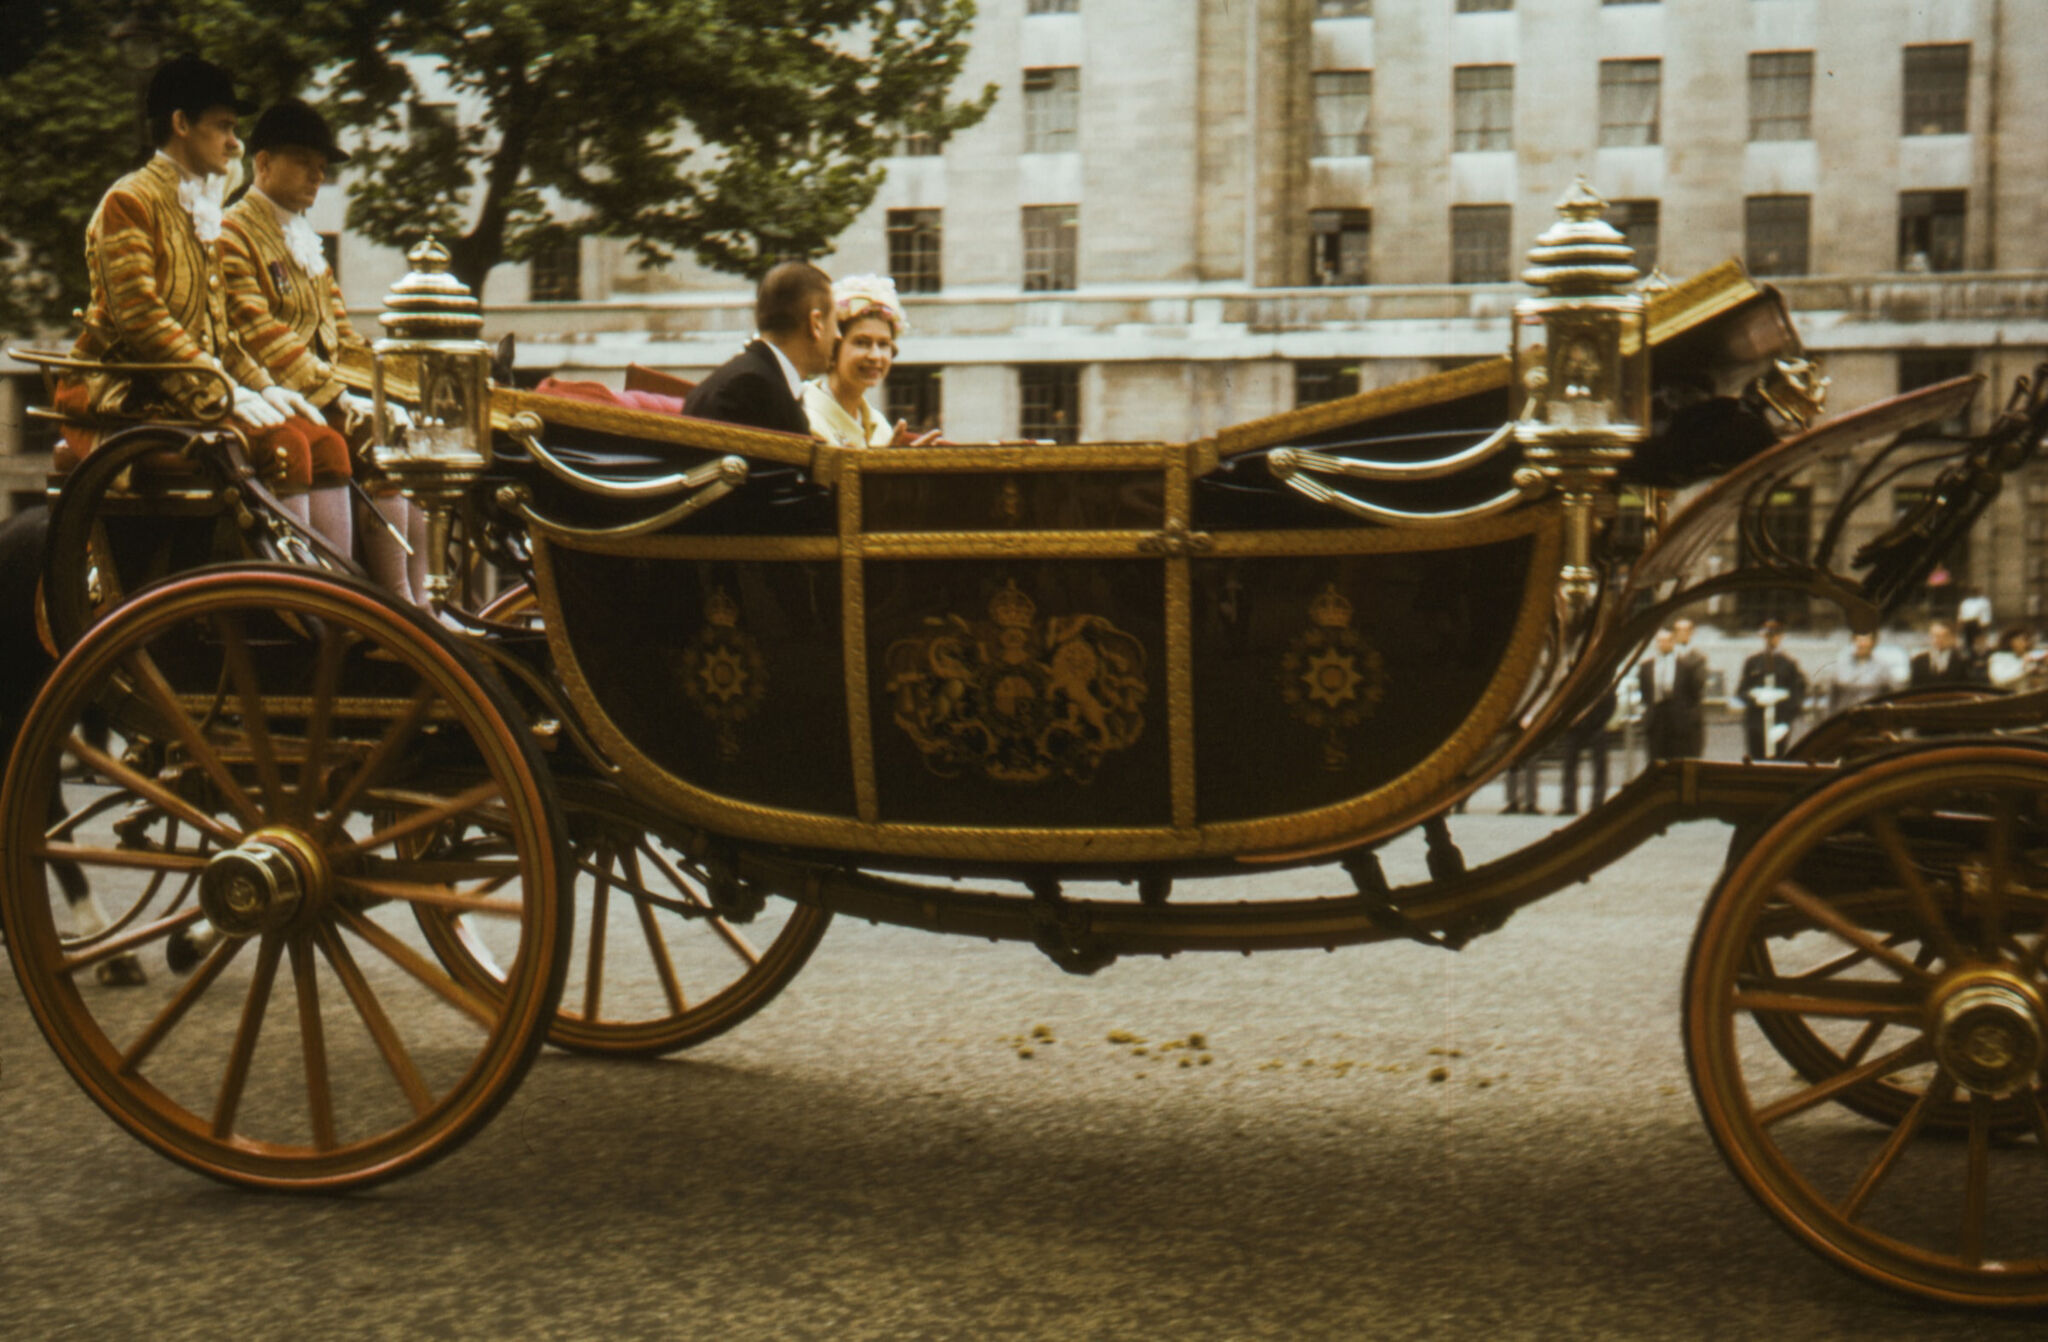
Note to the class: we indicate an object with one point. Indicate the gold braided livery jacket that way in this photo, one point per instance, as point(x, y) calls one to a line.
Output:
point(291, 321)
point(157, 297)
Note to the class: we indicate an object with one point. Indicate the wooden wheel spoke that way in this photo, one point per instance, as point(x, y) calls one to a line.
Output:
point(326, 677)
point(1991, 908)
point(657, 946)
point(1939, 934)
point(141, 936)
point(313, 1045)
point(1860, 999)
point(474, 900)
point(387, 750)
point(1822, 913)
point(2037, 1113)
point(1975, 1183)
point(246, 1034)
point(1913, 1051)
point(175, 1009)
point(201, 751)
point(593, 963)
point(427, 817)
point(255, 716)
point(1902, 1136)
point(403, 1070)
point(150, 790)
point(1860, 1045)
point(429, 974)
point(139, 859)
point(493, 872)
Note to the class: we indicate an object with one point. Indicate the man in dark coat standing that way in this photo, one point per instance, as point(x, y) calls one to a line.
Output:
point(1772, 690)
point(763, 386)
point(1671, 686)
point(1943, 663)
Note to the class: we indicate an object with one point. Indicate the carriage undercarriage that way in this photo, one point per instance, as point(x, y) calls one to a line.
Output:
point(752, 684)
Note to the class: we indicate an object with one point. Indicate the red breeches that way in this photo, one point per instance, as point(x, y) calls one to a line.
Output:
point(308, 451)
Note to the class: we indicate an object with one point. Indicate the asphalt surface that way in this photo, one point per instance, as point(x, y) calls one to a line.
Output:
point(1385, 1142)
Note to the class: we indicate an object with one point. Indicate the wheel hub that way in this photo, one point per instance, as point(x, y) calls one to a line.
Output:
point(261, 884)
point(1988, 1032)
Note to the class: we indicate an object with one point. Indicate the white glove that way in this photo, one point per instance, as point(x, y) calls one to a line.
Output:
point(365, 407)
point(288, 403)
point(253, 410)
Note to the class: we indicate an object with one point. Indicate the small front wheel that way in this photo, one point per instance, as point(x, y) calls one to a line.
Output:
point(1886, 936)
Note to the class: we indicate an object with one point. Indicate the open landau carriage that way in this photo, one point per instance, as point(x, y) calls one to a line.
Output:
point(750, 680)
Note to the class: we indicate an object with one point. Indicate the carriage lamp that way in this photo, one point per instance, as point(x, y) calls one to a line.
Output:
point(432, 323)
point(1581, 396)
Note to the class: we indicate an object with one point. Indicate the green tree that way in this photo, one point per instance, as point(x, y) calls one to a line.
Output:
point(739, 131)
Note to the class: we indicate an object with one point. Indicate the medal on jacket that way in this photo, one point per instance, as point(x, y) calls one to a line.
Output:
point(280, 278)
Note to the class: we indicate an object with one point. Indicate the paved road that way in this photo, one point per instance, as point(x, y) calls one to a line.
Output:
point(873, 1158)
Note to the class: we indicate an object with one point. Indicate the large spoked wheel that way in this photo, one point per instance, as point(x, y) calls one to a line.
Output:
point(1892, 926)
point(655, 966)
point(249, 753)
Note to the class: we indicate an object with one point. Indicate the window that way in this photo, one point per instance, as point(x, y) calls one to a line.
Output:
point(916, 144)
point(1319, 380)
point(1340, 246)
point(1931, 230)
point(1053, 7)
point(1343, 113)
point(1343, 9)
point(1774, 230)
point(1637, 220)
point(430, 127)
point(916, 396)
point(1052, 402)
point(1937, 89)
point(1629, 92)
point(1483, 110)
point(1781, 95)
point(914, 238)
point(555, 273)
point(1924, 367)
point(1483, 6)
point(1479, 243)
point(330, 247)
point(1052, 109)
point(1049, 246)
point(1786, 517)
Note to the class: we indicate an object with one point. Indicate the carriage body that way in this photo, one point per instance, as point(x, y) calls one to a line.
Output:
point(1099, 657)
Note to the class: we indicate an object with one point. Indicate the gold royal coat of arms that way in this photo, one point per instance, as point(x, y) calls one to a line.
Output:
point(1015, 698)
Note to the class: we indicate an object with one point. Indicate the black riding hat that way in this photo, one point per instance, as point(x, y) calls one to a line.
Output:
point(190, 85)
point(291, 122)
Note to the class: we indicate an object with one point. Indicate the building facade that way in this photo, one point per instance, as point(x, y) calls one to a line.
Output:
point(1182, 214)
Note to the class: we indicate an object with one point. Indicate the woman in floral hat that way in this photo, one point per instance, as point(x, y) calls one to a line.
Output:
point(870, 322)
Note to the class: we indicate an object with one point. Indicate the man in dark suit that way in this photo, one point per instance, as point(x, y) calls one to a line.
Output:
point(1671, 686)
point(1943, 663)
point(1696, 738)
point(1772, 691)
point(763, 386)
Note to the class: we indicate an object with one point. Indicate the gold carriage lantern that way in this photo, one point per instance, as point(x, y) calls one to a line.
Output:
point(1582, 371)
point(432, 323)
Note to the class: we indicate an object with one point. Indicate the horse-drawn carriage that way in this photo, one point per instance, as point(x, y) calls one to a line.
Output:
point(748, 681)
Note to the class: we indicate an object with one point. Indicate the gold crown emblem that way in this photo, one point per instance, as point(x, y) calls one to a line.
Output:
point(721, 609)
point(1010, 608)
point(1330, 609)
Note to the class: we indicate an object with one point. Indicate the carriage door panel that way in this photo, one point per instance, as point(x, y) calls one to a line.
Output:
point(726, 673)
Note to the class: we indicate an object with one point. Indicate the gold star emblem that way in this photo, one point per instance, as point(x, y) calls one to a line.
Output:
point(1331, 678)
point(723, 677)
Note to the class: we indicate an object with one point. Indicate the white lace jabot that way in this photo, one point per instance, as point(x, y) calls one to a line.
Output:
point(300, 237)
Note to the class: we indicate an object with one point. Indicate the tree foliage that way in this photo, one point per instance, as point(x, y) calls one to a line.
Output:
point(738, 131)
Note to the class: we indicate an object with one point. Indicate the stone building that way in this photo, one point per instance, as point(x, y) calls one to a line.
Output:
point(1182, 214)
